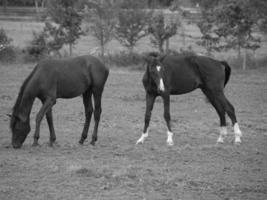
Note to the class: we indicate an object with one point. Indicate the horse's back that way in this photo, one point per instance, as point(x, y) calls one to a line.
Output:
point(70, 77)
point(183, 76)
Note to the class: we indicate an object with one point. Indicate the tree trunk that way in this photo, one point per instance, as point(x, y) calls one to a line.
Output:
point(160, 45)
point(244, 66)
point(167, 45)
point(102, 50)
point(70, 49)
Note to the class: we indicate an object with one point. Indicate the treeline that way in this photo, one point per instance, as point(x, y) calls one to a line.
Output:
point(224, 25)
point(43, 3)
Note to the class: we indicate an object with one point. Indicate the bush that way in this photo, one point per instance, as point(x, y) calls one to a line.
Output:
point(124, 59)
point(7, 51)
point(252, 62)
point(37, 48)
point(8, 54)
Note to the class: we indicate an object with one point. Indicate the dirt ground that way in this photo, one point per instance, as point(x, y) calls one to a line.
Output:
point(194, 168)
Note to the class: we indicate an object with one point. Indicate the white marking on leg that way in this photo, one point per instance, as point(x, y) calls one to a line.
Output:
point(223, 133)
point(161, 85)
point(238, 134)
point(142, 138)
point(158, 68)
point(169, 138)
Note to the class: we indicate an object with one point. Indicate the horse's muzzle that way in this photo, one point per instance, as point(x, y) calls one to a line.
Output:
point(16, 146)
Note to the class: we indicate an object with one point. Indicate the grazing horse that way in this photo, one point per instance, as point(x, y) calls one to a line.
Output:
point(175, 75)
point(52, 79)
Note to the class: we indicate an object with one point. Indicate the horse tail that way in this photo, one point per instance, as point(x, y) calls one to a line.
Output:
point(227, 71)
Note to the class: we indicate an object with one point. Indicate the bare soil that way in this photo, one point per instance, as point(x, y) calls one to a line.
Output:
point(194, 168)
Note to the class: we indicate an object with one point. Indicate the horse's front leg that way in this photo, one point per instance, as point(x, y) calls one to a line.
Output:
point(150, 100)
point(167, 117)
point(47, 105)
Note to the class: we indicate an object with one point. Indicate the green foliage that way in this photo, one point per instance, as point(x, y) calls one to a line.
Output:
point(7, 51)
point(49, 40)
point(124, 59)
point(101, 19)
point(38, 47)
point(228, 24)
point(4, 39)
point(66, 15)
point(132, 23)
point(161, 31)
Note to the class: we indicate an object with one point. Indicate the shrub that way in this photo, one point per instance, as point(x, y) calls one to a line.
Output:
point(124, 59)
point(8, 54)
point(38, 47)
point(7, 51)
point(252, 62)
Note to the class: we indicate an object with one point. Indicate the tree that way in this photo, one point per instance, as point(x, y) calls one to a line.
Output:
point(132, 23)
point(161, 31)
point(66, 16)
point(229, 24)
point(101, 19)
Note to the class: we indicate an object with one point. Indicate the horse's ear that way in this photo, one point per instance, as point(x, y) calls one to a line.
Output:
point(147, 58)
point(161, 57)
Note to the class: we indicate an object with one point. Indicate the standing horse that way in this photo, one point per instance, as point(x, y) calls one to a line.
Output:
point(52, 79)
point(175, 75)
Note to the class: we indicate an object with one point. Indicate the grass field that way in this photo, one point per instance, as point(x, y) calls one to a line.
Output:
point(193, 169)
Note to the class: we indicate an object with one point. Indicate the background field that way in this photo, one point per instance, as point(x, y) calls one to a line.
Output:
point(194, 168)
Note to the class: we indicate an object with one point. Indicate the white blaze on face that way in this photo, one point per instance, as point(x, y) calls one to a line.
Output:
point(158, 68)
point(161, 84)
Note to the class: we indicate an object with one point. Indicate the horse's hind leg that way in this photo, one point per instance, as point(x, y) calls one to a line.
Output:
point(47, 105)
point(167, 117)
point(229, 108)
point(49, 118)
point(88, 107)
point(97, 94)
point(214, 99)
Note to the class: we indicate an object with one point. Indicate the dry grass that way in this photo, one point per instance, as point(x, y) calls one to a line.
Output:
point(194, 168)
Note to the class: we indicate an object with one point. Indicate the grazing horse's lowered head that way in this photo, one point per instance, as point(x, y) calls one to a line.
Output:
point(20, 130)
point(167, 75)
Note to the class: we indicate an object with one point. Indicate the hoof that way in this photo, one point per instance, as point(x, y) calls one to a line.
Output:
point(220, 140)
point(81, 141)
point(142, 138)
point(92, 143)
point(170, 143)
point(35, 144)
point(139, 142)
point(237, 141)
point(53, 144)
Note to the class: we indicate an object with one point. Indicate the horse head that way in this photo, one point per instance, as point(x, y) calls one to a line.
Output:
point(155, 70)
point(20, 128)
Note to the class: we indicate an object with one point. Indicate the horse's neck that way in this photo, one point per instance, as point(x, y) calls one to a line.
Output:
point(25, 107)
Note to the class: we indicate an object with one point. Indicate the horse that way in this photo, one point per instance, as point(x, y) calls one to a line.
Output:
point(167, 75)
point(53, 79)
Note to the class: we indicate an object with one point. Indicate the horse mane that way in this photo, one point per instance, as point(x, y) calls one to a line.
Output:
point(18, 100)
